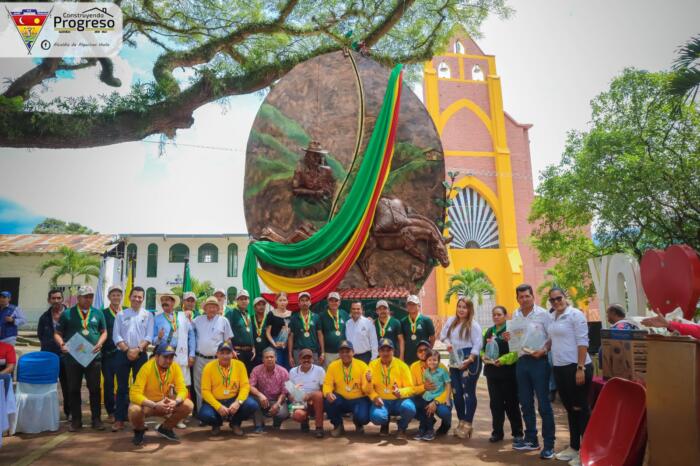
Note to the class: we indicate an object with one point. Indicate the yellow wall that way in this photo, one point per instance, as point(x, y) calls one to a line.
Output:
point(504, 265)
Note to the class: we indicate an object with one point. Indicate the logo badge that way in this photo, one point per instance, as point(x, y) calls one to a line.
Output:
point(29, 23)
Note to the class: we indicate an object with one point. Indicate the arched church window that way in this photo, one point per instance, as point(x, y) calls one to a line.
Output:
point(443, 70)
point(459, 48)
point(474, 224)
point(477, 74)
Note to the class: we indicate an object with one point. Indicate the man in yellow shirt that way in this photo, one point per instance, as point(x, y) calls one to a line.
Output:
point(225, 390)
point(159, 390)
point(427, 404)
point(345, 389)
point(391, 390)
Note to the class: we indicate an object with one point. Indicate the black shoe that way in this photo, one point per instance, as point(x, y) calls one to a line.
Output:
point(215, 430)
point(305, 427)
point(319, 432)
point(74, 427)
point(495, 438)
point(384, 430)
point(138, 437)
point(167, 433)
point(276, 423)
point(97, 425)
point(444, 429)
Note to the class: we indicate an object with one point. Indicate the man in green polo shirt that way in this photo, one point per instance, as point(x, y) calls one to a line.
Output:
point(388, 326)
point(331, 329)
point(415, 327)
point(89, 323)
point(259, 322)
point(243, 332)
point(303, 331)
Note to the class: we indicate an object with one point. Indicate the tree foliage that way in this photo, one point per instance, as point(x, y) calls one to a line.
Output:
point(228, 47)
point(202, 290)
point(634, 176)
point(470, 283)
point(686, 80)
point(72, 264)
point(56, 226)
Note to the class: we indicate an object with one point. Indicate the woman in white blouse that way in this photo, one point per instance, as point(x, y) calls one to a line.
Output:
point(573, 370)
point(463, 336)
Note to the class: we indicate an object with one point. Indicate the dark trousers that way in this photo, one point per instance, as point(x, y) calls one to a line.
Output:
point(123, 366)
point(533, 380)
point(75, 373)
point(575, 400)
point(426, 423)
point(364, 357)
point(208, 415)
point(246, 357)
point(63, 380)
point(503, 395)
point(193, 392)
point(282, 357)
point(359, 407)
point(109, 371)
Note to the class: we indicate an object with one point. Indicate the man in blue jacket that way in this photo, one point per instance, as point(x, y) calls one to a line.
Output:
point(11, 318)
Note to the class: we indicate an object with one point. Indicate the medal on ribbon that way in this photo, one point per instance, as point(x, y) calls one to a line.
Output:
point(84, 317)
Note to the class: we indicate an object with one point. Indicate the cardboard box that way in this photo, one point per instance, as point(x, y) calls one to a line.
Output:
point(624, 354)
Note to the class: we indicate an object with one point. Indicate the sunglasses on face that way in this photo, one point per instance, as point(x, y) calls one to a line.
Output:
point(556, 299)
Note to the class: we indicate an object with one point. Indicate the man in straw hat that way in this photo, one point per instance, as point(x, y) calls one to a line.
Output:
point(211, 330)
point(312, 177)
point(175, 329)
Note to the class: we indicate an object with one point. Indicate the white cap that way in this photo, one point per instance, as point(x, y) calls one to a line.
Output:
point(243, 293)
point(305, 293)
point(115, 288)
point(382, 303)
point(413, 299)
point(258, 300)
point(188, 295)
point(334, 295)
point(85, 290)
point(220, 290)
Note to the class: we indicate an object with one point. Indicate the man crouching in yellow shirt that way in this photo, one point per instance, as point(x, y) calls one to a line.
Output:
point(345, 389)
point(159, 390)
point(225, 390)
point(391, 390)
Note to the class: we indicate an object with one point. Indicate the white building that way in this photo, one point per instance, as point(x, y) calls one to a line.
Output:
point(160, 261)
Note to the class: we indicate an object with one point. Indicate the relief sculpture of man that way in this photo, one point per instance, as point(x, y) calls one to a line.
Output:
point(312, 177)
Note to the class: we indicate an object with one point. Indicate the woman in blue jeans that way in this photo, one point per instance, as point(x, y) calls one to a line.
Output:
point(463, 337)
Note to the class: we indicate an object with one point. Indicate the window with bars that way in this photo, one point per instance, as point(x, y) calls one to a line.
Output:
point(232, 269)
point(208, 253)
point(179, 252)
point(152, 261)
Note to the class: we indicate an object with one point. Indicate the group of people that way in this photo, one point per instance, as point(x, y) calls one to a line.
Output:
point(233, 364)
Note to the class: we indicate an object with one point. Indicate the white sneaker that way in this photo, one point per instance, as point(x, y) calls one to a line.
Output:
point(576, 461)
point(566, 455)
point(181, 425)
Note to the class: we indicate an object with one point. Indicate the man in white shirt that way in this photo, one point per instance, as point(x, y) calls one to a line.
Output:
point(359, 331)
point(533, 372)
point(133, 331)
point(211, 330)
point(308, 377)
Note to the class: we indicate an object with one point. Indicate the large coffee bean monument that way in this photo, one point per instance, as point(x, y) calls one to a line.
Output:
point(306, 144)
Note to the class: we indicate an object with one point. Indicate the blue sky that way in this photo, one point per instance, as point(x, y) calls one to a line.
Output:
point(553, 57)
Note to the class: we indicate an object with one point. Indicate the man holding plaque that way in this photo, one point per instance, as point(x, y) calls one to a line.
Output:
point(242, 328)
point(225, 390)
point(415, 328)
point(345, 389)
point(332, 329)
point(392, 387)
point(303, 331)
point(259, 319)
point(82, 321)
point(159, 390)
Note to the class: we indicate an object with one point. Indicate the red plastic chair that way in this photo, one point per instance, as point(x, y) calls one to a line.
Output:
point(616, 434)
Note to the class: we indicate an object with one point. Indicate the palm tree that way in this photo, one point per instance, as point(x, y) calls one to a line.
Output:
point(73, 264)
point(686, 80)
point(202, 290)
point(471, 283)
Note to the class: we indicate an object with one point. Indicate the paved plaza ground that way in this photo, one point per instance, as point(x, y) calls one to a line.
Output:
point(286, 447)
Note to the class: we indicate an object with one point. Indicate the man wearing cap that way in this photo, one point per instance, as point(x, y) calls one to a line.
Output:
point(308, 378)
point(133, 332)
point(225, 390)
point(46, 328)
point(109, 351)
point(391, 390)
point(359, 331)
point(175, 329)
point(220, 295)
point(303, 330)
point(189, 302)
point(11, 319)
point(426, 411)
point(415, 327)
point(242, 328)
point(211, 330)
point(259, 325)
point(267, 386)
point(387, 326)
point(89, 323)
point(345, 389)
point(331, 329)
point(159, 390)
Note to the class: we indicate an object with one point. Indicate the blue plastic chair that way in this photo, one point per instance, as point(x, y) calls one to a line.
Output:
point(39, 367)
